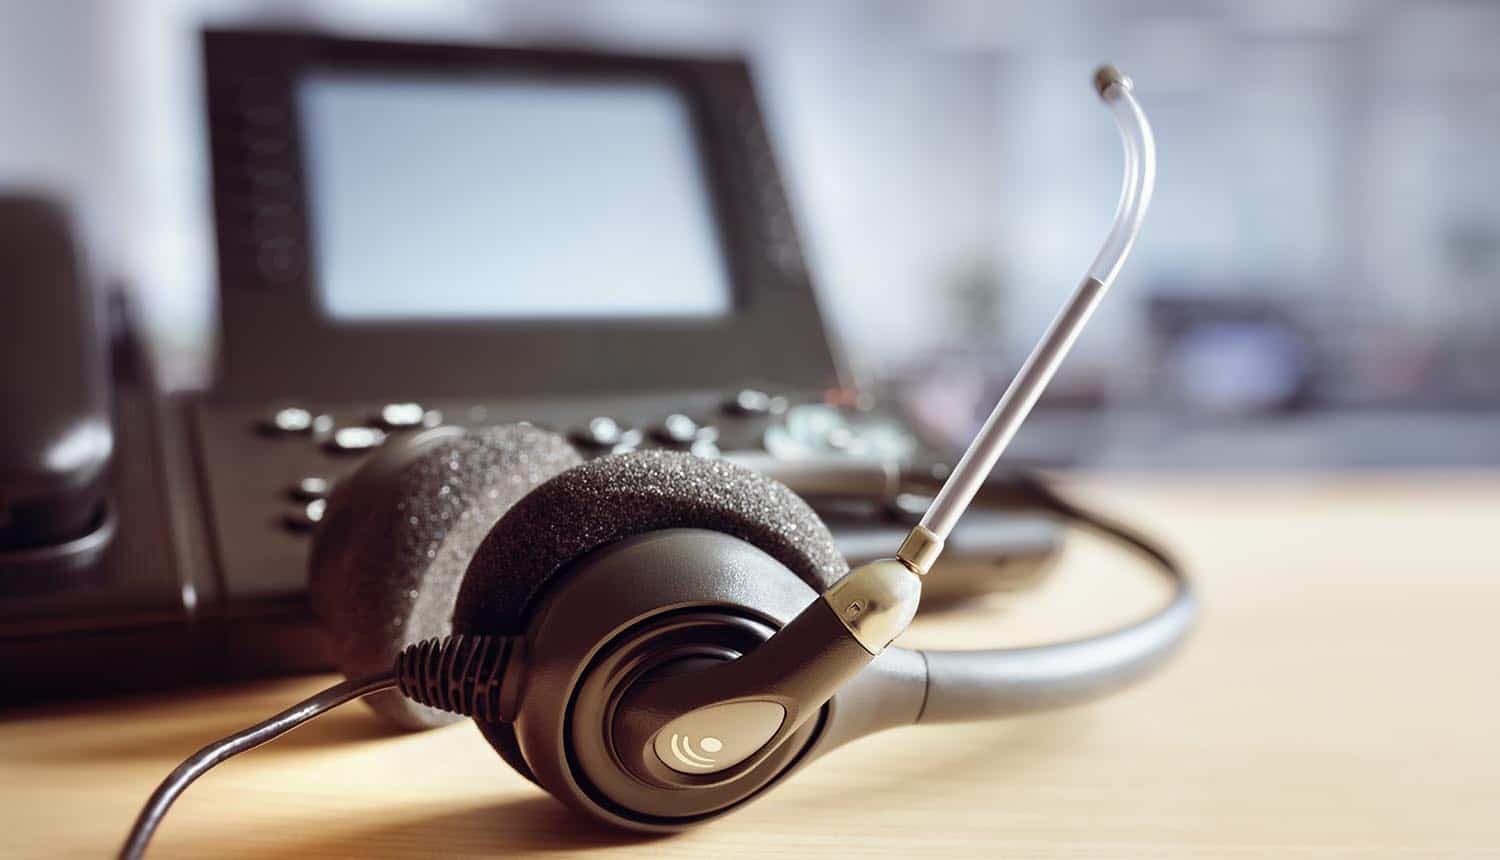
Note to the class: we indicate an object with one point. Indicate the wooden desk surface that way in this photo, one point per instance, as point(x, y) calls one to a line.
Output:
point(1342, 696)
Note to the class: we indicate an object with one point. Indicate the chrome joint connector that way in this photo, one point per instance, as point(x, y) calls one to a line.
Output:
point(920, 550)
point(876, 602)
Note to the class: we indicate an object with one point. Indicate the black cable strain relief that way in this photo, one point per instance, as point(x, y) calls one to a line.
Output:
point(461, 674)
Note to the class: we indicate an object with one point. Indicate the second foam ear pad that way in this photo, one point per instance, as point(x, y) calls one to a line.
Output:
point(613, 498)
point(399, 533)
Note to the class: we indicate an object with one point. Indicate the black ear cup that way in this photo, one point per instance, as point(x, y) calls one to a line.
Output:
point(398, 535)
point(613, 498)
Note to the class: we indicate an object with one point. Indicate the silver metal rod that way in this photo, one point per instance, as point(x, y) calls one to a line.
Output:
point(1011, 412)
point(925, 542)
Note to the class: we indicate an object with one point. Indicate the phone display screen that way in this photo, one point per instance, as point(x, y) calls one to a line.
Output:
point(507, 197)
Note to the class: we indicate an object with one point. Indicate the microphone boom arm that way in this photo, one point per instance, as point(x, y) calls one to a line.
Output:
point(925, 542)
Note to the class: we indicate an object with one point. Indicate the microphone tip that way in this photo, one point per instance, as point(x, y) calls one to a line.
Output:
point(1107, 76)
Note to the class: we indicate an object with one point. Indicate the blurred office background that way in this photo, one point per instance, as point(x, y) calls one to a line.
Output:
point(1318, 284)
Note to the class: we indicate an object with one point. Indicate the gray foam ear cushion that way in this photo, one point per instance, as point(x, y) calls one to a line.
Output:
point(613, 498)
point(399, 534)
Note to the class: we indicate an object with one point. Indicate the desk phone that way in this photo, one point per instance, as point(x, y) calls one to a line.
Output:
point(411, 235)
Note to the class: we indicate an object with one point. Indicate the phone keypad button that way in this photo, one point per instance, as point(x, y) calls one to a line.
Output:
point(291, 419)
point(311, 488)
point(600, 432)
point(676, 429)
point(749, 402)
point(307, 517)
point(354, 440)
point(405, 416)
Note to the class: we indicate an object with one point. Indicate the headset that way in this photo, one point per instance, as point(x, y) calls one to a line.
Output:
point(657, 638)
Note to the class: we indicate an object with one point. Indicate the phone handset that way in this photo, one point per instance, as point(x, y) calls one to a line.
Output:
point(56, 438)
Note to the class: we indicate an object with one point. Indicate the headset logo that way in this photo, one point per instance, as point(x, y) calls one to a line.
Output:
point(682, 750)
